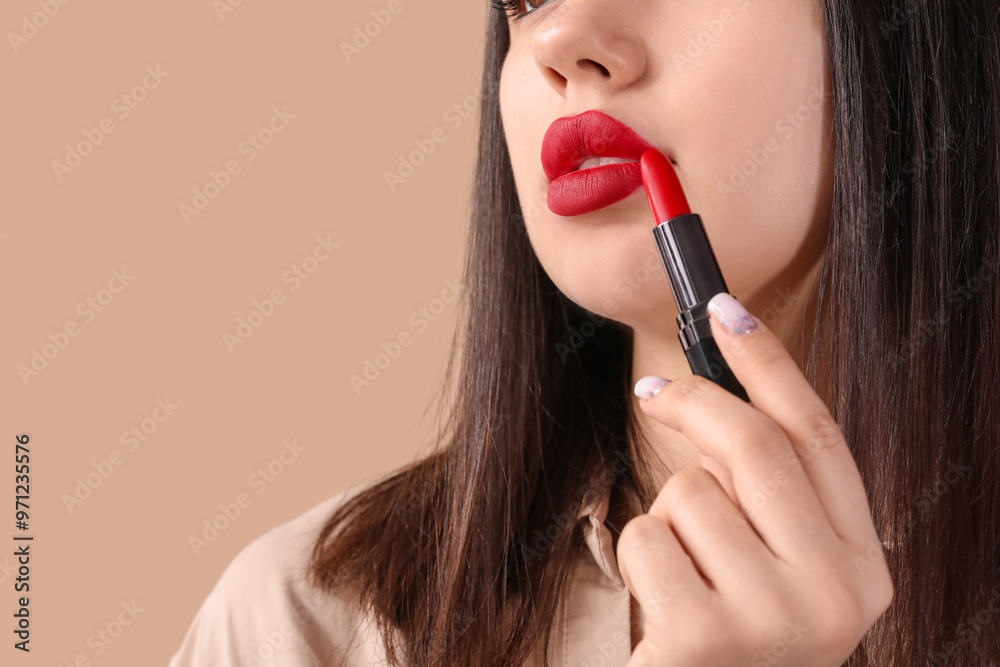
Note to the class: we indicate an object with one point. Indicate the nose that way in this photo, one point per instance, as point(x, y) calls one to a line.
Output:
point(586, 47)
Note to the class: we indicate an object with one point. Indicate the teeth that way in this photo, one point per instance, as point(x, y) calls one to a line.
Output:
point(601, 161)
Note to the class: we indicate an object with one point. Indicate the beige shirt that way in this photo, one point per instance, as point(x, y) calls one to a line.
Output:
point(262, 612)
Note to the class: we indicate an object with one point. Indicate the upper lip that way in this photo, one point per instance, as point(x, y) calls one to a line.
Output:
point(570, 140)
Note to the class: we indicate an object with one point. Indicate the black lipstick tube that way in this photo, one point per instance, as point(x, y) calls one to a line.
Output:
point(695, 278)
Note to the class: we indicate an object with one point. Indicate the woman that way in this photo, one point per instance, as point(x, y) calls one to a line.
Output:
point(845, 158)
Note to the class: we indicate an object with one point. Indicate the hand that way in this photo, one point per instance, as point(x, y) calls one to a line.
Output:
point(791, 570)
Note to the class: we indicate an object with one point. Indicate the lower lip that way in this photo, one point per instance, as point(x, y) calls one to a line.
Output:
point(588, 190)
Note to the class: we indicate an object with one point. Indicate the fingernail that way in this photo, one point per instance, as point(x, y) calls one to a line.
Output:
point(731, 314)
point(650, 385)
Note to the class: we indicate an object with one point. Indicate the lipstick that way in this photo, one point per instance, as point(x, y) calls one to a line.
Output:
point(691, 268)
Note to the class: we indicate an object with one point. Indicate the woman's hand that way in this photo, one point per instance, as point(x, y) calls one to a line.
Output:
point(789, 572)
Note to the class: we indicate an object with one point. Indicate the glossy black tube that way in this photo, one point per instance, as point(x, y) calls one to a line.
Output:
point(695, 278)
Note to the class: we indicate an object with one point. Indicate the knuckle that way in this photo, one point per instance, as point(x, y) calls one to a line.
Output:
point(842, 618)
point(883, 593)
point(640, 532)
point(685, 485)
point(770, 613)
point(766, 356)
point(760, 442)
point(692, 388)
point(822, 431)
point(814, 529)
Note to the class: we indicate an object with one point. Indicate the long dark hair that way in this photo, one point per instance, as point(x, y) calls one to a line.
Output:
point(462, 555)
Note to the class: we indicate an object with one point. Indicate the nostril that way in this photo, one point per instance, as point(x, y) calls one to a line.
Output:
point(599, 66)
point(555, 77)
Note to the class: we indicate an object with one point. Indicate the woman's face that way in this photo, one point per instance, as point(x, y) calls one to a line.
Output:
point(733, 91)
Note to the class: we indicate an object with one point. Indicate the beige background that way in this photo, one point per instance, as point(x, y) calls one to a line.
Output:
point(161, 336)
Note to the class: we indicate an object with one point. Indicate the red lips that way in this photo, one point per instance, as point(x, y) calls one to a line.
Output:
point(571, 140)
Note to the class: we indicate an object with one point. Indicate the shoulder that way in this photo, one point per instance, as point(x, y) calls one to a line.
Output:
point(263, 611)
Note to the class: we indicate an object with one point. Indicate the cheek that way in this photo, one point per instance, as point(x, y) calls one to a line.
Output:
point(524, 101)
point(761, 135)
point(522, 96)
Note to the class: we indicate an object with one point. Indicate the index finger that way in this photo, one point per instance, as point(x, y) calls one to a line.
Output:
point(776, 387)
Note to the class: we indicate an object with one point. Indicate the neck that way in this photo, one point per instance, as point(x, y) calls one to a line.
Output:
point(786, 310)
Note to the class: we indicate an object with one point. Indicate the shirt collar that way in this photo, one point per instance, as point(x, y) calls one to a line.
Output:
point(596, 535)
